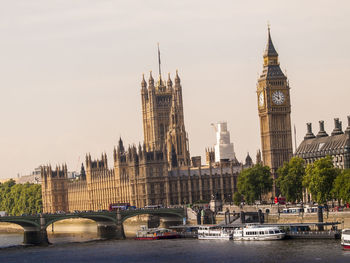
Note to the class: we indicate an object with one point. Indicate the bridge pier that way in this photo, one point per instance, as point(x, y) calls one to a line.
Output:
point(120, 228)
point(110, 229)
point(106, 230)
point(35, 237)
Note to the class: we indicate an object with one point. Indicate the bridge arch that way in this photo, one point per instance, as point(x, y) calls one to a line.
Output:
point(107, 225)
point(34, 232)
point(99, 219)
point(24, 223)
point(148, 212)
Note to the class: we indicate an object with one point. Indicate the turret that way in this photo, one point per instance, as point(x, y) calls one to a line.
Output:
point(143, 83)
point(120, 146)
point(169, 82)
point(177, 78)
point(248, 160)
point(82, 172)
point(173, 113)
point(258, 157)
point(114, 154)
point(139, 152)
point(88, 161)
point(150, 81)
point(160, 84)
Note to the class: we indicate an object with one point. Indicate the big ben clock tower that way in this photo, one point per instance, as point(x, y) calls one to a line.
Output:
point(274, 112)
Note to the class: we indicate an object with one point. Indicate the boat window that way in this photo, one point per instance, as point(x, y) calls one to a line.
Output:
point(261, 232)
point(271, 232)
point(277, 231)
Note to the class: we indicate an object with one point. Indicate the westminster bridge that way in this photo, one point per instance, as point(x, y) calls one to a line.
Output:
point(109, 224)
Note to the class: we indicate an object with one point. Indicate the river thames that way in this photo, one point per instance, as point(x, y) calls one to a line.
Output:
point(77, 248)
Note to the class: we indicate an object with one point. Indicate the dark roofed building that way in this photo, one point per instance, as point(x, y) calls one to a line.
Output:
point(337, 145)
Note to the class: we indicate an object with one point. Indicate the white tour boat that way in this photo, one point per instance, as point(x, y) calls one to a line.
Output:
point(345, 238)
point(257, 232)
point(213, 232)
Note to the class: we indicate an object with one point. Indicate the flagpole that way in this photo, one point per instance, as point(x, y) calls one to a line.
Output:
point(295, 138)
point(159, 69)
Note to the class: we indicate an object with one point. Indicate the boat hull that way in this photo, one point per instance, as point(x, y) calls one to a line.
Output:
point(347, 247)
point(158, 237)
point(313, 235)
point(345, 239)
point(259, 238)
point(146, 238)
point(213, 233)
point(213, 238)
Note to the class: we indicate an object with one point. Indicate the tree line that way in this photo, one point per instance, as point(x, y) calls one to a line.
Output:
point(320, 179)
point(17, 199)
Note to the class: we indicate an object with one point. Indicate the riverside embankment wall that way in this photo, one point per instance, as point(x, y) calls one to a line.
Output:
point(274, 217)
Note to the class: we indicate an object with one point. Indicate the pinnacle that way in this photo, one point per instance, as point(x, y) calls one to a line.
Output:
point(270, 49)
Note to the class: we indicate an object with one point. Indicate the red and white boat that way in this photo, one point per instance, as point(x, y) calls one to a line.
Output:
point(155, 233)
point(345, 238)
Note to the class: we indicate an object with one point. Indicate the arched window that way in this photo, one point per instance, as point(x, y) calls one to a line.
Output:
point(161, 131)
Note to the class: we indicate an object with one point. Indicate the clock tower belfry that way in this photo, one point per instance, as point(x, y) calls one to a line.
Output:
point(274, 112)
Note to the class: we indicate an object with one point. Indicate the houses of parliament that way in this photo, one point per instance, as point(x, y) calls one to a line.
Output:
point(161, 170)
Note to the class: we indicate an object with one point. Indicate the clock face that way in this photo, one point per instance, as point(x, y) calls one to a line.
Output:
point(278, 97)
point(261, 99)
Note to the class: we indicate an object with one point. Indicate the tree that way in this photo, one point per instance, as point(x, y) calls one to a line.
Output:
point(290, 179)
point(319, 179)
point(341, 187)
point(237, 198)
point(17, 199)
point(254, 182)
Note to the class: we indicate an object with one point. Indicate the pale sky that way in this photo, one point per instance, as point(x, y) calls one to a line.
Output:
point(71, 71)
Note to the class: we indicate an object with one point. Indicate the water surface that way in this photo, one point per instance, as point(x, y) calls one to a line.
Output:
point(177, 250)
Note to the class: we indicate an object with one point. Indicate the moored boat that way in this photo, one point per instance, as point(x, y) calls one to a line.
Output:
point(257, 232)
point(312, 231)
point(155, 233)
point(345, 238)
point(213, 232)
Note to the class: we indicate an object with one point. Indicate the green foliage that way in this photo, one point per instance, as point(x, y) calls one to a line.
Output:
point(290, 179)
point(17, 199)
point(319, 179)
point(341, 187)
point(254, 182)
point(201, 202)
point(237, 198)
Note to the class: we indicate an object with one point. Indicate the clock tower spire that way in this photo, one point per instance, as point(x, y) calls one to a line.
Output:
point(274, 112)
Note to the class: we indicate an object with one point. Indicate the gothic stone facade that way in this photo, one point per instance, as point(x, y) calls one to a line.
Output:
point(159, 172)
point(337, 145)
point(274, 110)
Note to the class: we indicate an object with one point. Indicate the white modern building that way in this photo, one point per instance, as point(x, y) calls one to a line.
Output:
point(223, 147)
